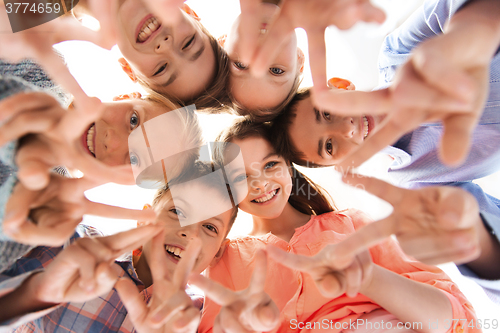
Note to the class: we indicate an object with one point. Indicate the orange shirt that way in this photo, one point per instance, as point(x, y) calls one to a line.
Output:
point(295, 293)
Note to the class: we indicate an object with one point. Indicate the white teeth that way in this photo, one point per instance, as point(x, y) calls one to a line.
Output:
point(147, 29)
point(174, 250)
point(365, 123)
point(267, 197)
point(90, 139)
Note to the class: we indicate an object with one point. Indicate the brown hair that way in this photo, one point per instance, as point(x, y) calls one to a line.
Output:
point(202, 171)
point(315, 202)
point(214, 99)
point(263, 115)
point(280, 132)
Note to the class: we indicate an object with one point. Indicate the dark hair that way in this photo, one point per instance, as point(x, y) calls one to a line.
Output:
point(315, 202)
point(204, 172)
point(280, 130)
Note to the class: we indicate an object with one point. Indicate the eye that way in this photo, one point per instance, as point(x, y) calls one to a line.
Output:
point(240, 178)
point(269, 165)
point(190, 42)
point(329, 147)
point(161, 69)
point(276, 71)
point(326, 115)
point(177, 212)
point(239, 65)
point(134, 160)
point(134, 120)
point(212, 228)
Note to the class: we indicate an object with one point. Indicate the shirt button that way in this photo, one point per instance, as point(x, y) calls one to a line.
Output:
point(130, 271)
point(288, 248)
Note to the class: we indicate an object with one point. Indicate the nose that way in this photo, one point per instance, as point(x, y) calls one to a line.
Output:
point(163, 44)
point(190, 231)
point(259, 183)
point(346, 127)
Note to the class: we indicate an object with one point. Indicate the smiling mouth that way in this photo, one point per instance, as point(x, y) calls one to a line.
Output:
point(90, 139)
point(366, 127)
point(148, 28)
point(174, 251)
point(267, 197)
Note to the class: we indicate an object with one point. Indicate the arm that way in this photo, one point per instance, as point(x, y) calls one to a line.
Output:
point(393, 292)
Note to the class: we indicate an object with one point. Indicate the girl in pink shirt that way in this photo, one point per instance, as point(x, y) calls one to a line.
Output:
point(291, 213)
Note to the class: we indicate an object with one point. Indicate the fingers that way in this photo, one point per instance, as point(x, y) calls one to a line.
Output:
point(332, 284)
point(173, 306)
point(267, 316)
point(158, 264)
point(459, 246)
point(17, 209)
point(259, 274)
point(354, 277)
point(98, 209)
point(270, 46)
point(371, 13)
point(213, 290)
point(385, 191)
point(228, 322)
point(186, 264)
point(13, 105)
point(317, 59)
point(456, 139)
point(129, 240)
point(189, 320)
point(132, 300)
point(250, 21)
point(350, 102)
point(458, 209)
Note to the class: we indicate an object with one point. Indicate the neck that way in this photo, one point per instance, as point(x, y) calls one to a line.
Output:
point(282, 226)
point(143, 272)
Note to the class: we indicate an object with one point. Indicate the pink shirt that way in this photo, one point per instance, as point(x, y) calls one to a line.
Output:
point(295, 293)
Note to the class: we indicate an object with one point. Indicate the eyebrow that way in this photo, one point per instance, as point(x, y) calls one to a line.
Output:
point(198, 54)
point(170, 80)
point(320, 147)
point(318, 116)
point(269, 155)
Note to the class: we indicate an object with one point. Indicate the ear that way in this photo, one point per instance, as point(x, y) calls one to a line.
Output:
point(190, 12)
point(133, 95)
point(145, 207)
point(301, 60)
point(222, 40)
point(339, 83)
point(220, 253)
point(127, 69)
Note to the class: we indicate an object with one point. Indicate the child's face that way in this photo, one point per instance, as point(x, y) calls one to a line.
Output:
point(211, 231)
point(325, 138)
point(268, 178)
point(107, 138)
point(174, 59)
point(270, 90)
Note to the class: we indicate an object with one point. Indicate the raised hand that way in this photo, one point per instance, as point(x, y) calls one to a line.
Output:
point(49, 216)
point(79, 273)
point(170, 308)
point(55, 139)
point(433, 224)
point(242, 311)
point(36, 42)
point(336, 269)
point(445, 79)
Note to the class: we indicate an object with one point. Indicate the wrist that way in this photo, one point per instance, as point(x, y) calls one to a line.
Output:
point(369, 283)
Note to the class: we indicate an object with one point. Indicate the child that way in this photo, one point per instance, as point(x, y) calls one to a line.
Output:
point(306, 228)
point(173, 205)
point(180, 60)
point(264, 97)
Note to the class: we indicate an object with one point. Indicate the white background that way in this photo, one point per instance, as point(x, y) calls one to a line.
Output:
point(351, 54)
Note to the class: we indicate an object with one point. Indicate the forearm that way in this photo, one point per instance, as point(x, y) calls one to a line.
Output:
point(23, 300)
point(408, 300)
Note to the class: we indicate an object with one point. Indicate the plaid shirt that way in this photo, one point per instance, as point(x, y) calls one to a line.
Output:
point(103, 314)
